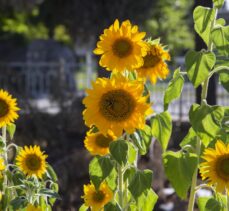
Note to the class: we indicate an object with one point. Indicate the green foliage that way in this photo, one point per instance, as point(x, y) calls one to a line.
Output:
point(218, 3)
point(146, 201)
point(190, 138)
point(161, 125)
point(203, 18)
point(206, 121)
point(174, 88)
point(140, 183)
point(99, 169)
point(224, 79)
point(212, 204)
point(220, 37)
point(179, 168)
point(11, 130)
point(170, 20)
point(198, 65)
point(119, 151)
point(142, 139)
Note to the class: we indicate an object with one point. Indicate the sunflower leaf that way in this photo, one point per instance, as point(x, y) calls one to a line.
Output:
point(206, 121)
point(203, 18)
point(140, 182)
point(83, 207)
point(11, 128)
point(174, 88)
point(220, 37)
point(224, 79)
point(181, 176)
point(99, 169)
point(119, 151)
point(161, 128)
point(218, 3)
point(198, 65)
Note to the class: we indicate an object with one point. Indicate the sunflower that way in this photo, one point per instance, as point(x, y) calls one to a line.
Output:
point(2, 164)
point(98, 143)
point(121, 47)
point(31, 207)
point(97, 199)
point(154, 65)
point(8, 108)
point(32, 161)
point(216, 166)
point(116, 104)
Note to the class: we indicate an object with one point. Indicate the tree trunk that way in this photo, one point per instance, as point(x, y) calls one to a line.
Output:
point(211, 98)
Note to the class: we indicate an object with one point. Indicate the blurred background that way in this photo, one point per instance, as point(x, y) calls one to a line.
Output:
point(46, 61)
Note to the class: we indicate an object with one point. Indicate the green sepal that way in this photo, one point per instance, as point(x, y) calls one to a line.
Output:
point(83, 207)
point(11, 128)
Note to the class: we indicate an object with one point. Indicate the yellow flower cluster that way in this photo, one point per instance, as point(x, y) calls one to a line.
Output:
point(118, 105)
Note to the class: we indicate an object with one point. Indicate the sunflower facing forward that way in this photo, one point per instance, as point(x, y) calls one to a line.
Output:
point(116, 104)
point(98, 143)
point(121, 47)
point(216, 166)
point(32, 161)
point(8, 108)
point(97, 199)
point(154, 65)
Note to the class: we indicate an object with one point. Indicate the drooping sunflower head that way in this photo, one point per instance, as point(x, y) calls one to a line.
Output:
point(98, 143)
point(154, 65)
point(215, 169)
point(31, 161)
point(97, 199)
point(2, 164)
point(31, 207)
point(121, 47)
point(8, 108)
point(116, 104)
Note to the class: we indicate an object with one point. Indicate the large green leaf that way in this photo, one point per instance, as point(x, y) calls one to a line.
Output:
point(190, 138)
point(224, 79)
point(140, 182)
point(211, 204)
point(142, 139)
point(99, 169)
point(218, 3)
point(161, 125)
point(198, 65)
point(147, 200)
point(179, 168)
point(119, 151)
point(220, 37)
point(203, 18)
point(132, 153)
point(174, 88)
point(206, 121)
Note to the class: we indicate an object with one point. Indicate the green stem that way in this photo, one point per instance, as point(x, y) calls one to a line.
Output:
point(198, 145)
point(5, 157)
point(194, 179)
point(227, 201)
point(120, 186)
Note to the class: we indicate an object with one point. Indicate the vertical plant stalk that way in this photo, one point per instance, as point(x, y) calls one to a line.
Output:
point(120, 187)
point(5, 157)
point(198, 144)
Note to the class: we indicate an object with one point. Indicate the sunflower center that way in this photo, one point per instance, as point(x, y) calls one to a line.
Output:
point(33, 162)
point(4, 108)
point(103, 141)
point(117, 105)
point(150, 60)
point(223, 168)
point(98, 196)
point(122, 47)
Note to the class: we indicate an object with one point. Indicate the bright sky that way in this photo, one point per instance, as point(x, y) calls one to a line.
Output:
point(227, 4)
